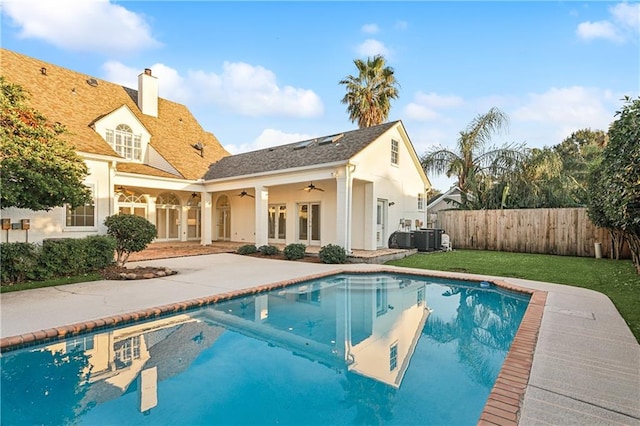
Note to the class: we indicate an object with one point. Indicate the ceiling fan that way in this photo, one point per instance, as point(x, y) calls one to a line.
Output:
point(121, 189)
point(243, 193)
point(312, 187)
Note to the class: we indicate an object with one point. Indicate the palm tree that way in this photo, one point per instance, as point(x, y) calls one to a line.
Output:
point(473, 164)
point(369, 94)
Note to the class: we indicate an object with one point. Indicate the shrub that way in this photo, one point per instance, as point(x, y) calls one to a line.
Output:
point(332, 253)
point(247, 249)
point(132, 234)
point(98, 251)
point(268, 250)
point(18, 262)
point(61, 257)
point(294, 251)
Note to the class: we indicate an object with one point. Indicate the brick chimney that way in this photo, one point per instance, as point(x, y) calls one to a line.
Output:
point(148, 93)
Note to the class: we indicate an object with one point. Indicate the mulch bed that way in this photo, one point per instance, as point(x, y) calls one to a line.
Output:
point(137, 273)
point(280, 256)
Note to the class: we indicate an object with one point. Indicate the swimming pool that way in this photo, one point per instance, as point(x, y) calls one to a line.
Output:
point(351, 348)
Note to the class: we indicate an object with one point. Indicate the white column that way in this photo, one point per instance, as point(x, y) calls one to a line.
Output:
point(206, 222)
point(262, 216)
point(343, 210)
point(370, 210)
point(151, 209)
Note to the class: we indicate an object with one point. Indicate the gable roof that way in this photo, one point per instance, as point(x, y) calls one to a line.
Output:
point(453, 191)
point(326, 149)
point(68, 97)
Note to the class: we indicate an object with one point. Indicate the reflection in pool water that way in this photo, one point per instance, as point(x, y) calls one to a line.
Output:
point(360, 348)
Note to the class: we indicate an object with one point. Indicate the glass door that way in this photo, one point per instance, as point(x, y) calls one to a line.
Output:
point(223, 213)
point(278, 222)
point(309, 223)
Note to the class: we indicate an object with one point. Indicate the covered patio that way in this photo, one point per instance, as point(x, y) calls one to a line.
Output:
point(164, 250)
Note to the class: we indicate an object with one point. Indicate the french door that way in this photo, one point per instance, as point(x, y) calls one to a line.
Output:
point(309, 223)
point(168, 223)
point(278, 222)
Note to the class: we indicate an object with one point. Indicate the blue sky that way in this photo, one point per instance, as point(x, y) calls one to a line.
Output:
point(264, 73)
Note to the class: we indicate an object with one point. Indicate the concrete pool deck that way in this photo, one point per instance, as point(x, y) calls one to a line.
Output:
point(585, 368)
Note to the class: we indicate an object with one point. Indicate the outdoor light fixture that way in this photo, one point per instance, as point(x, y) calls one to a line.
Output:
point(392, 203)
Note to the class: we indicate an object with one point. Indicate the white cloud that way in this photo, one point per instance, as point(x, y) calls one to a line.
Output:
point(268, 137)
point(81, 25)
point(565, 110)
point(601, 29)
point(241, 88)
point(425, 105)
point(253, 91)
point(370, 28)
point(623, 25)
point(372, 47)
point(627, 15)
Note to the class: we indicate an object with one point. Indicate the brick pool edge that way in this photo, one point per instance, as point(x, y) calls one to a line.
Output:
point(504, 402)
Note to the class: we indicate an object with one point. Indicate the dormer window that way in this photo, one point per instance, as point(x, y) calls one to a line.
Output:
point(125, 143)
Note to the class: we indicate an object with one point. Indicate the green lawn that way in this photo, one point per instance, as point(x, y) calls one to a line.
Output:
point(615, 278)
point(93, 276)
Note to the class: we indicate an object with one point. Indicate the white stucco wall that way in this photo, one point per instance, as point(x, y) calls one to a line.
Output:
point(399, 184)
point(52, 224)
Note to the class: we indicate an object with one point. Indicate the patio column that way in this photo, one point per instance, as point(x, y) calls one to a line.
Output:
point(262, 216)
point(206, 219)
point(344, 183)
point(370, 206)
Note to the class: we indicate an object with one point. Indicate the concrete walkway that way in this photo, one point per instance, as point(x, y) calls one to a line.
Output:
point(586, 367)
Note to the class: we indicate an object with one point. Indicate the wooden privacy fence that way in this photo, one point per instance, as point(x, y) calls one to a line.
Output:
point(567, 232)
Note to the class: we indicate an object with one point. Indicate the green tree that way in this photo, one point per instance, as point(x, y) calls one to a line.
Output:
point(596, 209)
point(39, 170)
point(476, 165)
point(578, 153)
point(616, 197)
point(132, 233)
point(369, 94)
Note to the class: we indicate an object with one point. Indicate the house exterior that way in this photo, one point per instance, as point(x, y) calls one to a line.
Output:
point(150, 157)
point(448, 200)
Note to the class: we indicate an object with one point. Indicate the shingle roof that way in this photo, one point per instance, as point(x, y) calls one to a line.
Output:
point(65, 96)
point(298, 154)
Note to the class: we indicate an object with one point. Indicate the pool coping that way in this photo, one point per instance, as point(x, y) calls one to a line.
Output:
point(503, 405)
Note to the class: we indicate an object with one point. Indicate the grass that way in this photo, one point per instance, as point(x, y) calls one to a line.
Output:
point(94, 276)
point(615, 278)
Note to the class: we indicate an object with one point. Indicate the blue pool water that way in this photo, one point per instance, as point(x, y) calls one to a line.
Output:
point(348, 349)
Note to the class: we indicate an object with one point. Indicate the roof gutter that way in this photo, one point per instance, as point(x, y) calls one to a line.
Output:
point(280, 172)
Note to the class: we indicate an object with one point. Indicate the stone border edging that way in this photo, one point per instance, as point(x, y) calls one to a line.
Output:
point(504, 402)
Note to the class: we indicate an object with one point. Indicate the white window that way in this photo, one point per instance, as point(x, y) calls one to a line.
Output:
point(125, 143)
point(81, 216)
point(420, 202)
point(81, 344)
point(394, 151)
point(393, 356)
point(420, 296)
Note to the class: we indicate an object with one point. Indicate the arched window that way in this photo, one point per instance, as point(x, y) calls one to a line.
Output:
point(168, 198)
point(125, 143)
point(130, 202)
